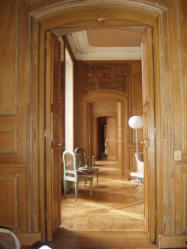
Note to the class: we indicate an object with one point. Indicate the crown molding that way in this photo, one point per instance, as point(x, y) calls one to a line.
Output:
point(83, 51)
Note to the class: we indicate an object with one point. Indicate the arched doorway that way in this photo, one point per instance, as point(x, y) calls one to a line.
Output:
point(75, 19)
point(114, 104)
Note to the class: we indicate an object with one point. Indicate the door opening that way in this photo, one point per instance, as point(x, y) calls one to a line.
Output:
point(102, 136)
point(151, 190)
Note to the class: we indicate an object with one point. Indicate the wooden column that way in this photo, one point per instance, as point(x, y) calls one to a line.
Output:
point(119, 135)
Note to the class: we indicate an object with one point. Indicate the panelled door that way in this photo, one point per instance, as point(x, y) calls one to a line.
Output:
point(54, 147)
point(148, 131)
point(111, 138)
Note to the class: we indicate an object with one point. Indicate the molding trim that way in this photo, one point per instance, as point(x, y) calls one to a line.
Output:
point(156, 8)
point(83, 51)
point(172, 241)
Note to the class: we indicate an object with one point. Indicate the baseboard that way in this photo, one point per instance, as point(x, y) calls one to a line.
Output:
point(27, 239)
point(172, 241)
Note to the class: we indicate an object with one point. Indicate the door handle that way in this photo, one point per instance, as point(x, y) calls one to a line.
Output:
point(59, 144)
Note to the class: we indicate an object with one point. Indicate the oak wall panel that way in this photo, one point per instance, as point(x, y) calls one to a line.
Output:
point(181, 199)
point(136, 97)
point(9, 53)
point(13, 94)
point(9, 138)
point(183, 70)
point(13, 198)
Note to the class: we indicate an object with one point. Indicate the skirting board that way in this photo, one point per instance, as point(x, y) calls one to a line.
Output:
point(27, 239)
point(172, 241)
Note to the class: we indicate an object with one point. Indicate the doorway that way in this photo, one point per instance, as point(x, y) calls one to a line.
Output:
point(42, 39)
point(101, 138)
point(99, 106)
point(107, 138)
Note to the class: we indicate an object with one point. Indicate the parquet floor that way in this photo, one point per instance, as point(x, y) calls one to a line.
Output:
point(116, 205)
point(112, 219)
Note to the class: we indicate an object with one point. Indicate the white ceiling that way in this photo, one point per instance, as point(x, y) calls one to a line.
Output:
point(106, 44)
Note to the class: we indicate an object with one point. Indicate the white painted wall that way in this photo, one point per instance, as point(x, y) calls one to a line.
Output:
point(68, 102)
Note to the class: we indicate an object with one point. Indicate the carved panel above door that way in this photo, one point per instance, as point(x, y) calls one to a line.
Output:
point(113, 76)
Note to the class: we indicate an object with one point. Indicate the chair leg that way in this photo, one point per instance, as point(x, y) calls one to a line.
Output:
point(64, 188)
point(91, 189)
point(76, 190)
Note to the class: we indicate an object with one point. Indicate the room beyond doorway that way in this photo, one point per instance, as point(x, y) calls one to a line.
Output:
point(107, 138)
point(49, 197)
point(116, 205)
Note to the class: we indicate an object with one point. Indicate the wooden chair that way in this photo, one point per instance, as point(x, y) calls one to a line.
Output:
point(71, 173)
point(82, 163)
point(8, 239)
point(139, 174)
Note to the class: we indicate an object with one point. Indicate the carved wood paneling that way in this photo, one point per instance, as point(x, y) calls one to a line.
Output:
point(136, 98)
point(9, 58)
point(9, 202)
point(182, 37)
point(112, 76)
point(13, 198)
point(13, 87)
point(181, 199)
point(9, 139)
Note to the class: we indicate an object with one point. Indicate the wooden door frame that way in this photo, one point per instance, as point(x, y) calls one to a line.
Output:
point(95, 126)
point(105, 95)
point(146, 14)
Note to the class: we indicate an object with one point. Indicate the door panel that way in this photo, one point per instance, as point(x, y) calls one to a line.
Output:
point(54, 102)
point(111, 138)
point(148, 131)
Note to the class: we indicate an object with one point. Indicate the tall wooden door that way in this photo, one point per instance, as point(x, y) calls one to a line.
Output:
point(148, 131)
point(54, 102)
point(111, 138)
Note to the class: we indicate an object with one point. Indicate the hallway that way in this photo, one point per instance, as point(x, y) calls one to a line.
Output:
point(116, 205)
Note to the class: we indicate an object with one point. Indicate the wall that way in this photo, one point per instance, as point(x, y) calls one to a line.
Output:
point(20, 139)
point(14, 120)
point(181, 119)
point(122, 77)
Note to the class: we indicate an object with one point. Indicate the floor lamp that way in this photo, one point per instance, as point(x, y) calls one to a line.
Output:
point(136, 122)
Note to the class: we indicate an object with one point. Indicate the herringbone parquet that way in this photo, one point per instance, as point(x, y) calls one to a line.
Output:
point(116, 205)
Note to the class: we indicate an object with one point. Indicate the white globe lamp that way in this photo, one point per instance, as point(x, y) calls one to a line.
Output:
point(136, 122)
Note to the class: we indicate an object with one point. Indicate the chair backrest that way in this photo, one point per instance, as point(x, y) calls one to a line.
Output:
point(81, 156)
point(9, 239)
point(70, 167)
point(139, 162)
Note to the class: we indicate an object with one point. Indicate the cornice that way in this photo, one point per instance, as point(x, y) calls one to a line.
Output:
point(43, 8)
point(83, 51)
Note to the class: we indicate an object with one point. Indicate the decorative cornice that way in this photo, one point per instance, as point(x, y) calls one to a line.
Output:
point(154, 6)
point(83, 51)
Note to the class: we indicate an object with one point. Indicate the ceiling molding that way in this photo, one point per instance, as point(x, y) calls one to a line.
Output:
point(51, 8)
point(83, 51)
